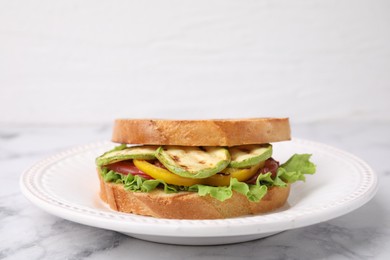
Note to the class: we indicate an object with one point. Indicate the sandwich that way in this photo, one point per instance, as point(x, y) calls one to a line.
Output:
point(198, 169)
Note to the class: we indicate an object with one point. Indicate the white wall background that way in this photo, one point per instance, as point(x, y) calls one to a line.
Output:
point(86, 62)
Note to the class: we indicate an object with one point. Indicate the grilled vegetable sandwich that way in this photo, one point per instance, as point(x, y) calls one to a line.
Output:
point(198, 169)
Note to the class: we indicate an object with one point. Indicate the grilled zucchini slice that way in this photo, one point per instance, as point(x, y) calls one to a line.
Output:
point(193, 162)
point(122, 153)
point(245, 156)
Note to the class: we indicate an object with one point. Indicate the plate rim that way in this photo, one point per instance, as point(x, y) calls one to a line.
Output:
point(194, 228)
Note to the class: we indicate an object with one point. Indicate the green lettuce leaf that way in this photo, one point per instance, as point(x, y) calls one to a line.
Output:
point(252, 192)
point(265, 179)
point(111, 176)
point(137, 183)
point(295, 168)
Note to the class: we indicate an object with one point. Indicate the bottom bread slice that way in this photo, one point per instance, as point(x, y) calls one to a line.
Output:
point(188, 205)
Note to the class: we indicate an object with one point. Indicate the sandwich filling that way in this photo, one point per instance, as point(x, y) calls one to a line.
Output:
point(214, 171)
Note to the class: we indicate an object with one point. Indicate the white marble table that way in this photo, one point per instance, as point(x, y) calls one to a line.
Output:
point(27, 232)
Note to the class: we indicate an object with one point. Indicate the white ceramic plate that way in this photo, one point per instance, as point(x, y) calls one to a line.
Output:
point(66, 185)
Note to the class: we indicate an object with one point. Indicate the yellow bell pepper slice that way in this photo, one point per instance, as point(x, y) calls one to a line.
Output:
point(239, 174)
point(215, 180)
point(163, 174)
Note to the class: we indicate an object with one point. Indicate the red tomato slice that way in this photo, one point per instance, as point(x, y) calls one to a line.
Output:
point(126, 167)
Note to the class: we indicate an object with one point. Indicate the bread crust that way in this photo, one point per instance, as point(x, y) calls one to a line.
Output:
point(188, 205)
point(221, 132)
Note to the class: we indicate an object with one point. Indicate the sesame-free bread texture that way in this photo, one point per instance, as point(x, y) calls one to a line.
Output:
point(188, 205)
point(220, 132)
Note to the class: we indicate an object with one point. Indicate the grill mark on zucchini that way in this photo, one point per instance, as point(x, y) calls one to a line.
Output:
point(244, 149)
point(202, 148)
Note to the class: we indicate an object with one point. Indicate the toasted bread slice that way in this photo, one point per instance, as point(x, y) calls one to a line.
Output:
point(222, 132)
point(188, 205)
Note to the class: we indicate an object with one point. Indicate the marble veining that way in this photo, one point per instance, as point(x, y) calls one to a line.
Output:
point(27, 232)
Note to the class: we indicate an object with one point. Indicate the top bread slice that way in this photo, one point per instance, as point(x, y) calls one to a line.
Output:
point(219, 132)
